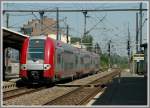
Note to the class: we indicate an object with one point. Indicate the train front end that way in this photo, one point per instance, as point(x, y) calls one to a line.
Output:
point(37, 60)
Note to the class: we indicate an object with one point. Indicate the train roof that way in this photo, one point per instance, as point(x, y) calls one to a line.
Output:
point(66, 47)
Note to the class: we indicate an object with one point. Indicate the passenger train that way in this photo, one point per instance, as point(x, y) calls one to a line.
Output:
point(45, 60)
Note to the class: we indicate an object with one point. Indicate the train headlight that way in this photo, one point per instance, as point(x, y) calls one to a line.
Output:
point(47, 66)
point(23, 67)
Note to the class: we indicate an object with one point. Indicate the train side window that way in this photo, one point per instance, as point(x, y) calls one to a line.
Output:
point(81, 60)
point(76, 59)
point(58, 58)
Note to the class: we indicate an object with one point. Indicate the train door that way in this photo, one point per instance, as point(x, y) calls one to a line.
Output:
point(58, 64)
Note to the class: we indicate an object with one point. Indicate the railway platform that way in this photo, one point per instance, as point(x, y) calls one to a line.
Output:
point(132, 90)
point(9, 85)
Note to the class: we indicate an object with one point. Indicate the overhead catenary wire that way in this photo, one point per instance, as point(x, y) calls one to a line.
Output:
point(100, 20)
point(77, 30)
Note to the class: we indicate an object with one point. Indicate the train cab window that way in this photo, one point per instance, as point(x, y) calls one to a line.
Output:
point(36, 50)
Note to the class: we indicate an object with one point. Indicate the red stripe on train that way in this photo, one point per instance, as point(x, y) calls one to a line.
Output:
point(23, 57)
point(49, 57)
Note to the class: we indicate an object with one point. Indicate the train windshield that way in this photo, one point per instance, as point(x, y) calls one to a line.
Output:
point(36, 51)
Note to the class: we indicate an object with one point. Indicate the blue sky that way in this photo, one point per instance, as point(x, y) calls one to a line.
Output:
point(113, 27)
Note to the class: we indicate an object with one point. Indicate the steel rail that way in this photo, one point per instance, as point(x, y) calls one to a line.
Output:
point(19, 92)
point(102, 81)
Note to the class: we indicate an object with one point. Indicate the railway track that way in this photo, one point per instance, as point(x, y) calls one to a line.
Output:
point(80, 96)
point(78, 92)
point(84, 93)
point(19, 92)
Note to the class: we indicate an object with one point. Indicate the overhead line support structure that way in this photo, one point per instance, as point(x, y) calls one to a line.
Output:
point(57, 21)
point(78, 10)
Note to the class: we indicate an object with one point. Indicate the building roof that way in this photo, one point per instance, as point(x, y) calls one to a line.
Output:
point(34, 27)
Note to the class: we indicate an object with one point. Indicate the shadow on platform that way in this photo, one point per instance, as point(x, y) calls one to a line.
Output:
point(130, 91)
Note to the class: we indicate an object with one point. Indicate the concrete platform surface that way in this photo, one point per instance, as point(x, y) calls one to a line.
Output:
point(132, 90)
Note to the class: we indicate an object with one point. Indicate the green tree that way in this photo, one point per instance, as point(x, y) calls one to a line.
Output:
point(120, 61)
point(88, 42)
point(75, 39)
point(97, 49)
point(104, 61)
